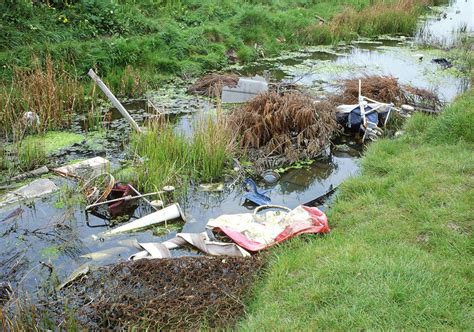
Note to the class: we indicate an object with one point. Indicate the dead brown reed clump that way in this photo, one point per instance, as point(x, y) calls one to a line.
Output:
point(211, 85)
point(183, 293)
point(385, 89)
point(293, 124)
point(47, 90)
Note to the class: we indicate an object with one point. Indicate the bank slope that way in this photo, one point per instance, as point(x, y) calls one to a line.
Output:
point(400, 254)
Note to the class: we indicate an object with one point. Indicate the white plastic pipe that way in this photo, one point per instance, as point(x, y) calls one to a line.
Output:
point(168, 213)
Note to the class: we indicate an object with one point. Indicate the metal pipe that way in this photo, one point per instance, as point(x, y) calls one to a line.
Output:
point(126, 198)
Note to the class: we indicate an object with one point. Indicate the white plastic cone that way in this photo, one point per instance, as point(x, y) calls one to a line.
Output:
point(168, 213)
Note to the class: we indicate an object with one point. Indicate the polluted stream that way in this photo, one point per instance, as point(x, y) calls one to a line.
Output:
point(44, 241)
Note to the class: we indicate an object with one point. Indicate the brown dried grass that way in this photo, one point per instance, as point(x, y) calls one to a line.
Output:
point(46, 90)
point(385, 89)
point(211, 85)
point(290, 124)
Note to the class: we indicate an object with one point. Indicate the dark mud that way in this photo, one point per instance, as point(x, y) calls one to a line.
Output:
point(183, 293)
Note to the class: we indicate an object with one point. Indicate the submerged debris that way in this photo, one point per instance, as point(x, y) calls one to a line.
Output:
point(211, 85)
point(292, 125)
point(184, 293)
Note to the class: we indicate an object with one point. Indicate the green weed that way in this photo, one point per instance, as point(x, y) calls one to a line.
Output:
point(170, 158)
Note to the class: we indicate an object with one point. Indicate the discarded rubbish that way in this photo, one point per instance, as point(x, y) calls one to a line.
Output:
point(114, 100)
point(443, 63)
point(200, 241)
point(126, 196)
point(157, 203)
point(32, 190)
point(256, 195)
point(270, 176)
point(76, 274)
point(119, 191)
point(36, 172)
point(211, 186)
point(168, 213)
point(98, 188)
point(365, 117)
point(271, 228)
point(85, 169)
point(14, 214)
point(31, 119)
point(246, 89)
point(106, 253)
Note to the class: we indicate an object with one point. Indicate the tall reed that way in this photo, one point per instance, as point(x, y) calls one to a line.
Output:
point(45, 89)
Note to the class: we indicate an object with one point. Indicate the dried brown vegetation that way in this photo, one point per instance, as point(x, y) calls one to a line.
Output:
point(181, 293)
point(292, 124)
point(211, 85)
point(46, 90)
point(385, 89)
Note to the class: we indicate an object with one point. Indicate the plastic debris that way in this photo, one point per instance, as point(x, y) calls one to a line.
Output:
point(257, 196)
point(32, 190)
point(76, 274)
point(246, 89)
point(200, 241)
point(255, 233)
point(85, 169)
point(270, 177)
point(211, 187)
point(168, 213)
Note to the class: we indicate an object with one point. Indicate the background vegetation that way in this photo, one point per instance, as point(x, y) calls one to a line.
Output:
point(162, 39)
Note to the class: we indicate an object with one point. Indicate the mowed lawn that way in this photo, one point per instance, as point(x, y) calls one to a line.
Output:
point(400, 254)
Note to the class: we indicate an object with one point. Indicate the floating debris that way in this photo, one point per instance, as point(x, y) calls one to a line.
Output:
point(246, 89)
point(85, 169)
point(32, 190)
point(211, 187)
point(169, 213)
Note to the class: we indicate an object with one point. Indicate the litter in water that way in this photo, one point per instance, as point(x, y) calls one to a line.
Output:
point(257, 232)
point(32, 190)
point(256, 195)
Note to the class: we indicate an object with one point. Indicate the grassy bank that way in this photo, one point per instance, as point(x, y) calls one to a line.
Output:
point(163, 39)
point(400, 253)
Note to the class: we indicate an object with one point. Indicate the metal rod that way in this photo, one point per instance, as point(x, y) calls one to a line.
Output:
point(126, 198)
point(138, 193)
point(114, 100)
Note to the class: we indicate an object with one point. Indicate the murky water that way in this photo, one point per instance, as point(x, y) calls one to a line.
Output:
point(45, 234)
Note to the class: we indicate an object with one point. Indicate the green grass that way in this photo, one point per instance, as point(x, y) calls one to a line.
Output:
point(162, 39)
point(400, 254)
point(171, 158)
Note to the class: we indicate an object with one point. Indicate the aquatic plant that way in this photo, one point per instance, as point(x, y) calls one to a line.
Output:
point(170, 158)
point(30, 154)
point(47, 91)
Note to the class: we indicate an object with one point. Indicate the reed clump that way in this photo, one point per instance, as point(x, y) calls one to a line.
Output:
point(211, 85)
point(292, 125)
point(379, 18)
point(384, 89)
point(169, 157)
point(45, 90)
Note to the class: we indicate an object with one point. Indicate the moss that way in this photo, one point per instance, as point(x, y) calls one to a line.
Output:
point(54, 141)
